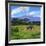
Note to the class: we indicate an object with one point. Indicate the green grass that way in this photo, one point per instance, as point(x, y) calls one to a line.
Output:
point(21, 32)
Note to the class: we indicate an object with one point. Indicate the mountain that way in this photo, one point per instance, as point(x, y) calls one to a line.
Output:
point(34, 19)
point(28, 18)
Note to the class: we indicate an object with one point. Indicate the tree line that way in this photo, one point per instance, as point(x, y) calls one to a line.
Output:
point(16, 21)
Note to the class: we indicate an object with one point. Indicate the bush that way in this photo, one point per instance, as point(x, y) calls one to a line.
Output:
point(15, 29)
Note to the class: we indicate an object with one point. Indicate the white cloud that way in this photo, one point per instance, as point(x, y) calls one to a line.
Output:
point(32, 13)
point(26, 9)
point(15, 11)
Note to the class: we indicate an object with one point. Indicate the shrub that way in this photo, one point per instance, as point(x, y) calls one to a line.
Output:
point(15, 29)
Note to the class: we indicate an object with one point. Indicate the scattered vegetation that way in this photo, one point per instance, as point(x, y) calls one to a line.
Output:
point(19, 29)
point(21, 32)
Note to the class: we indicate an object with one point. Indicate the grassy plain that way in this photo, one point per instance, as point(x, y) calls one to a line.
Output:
point(21, 32)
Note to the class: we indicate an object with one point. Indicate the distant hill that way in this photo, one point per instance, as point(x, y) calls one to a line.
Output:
point(27, 18)
point(30, 18)
point(36, 19)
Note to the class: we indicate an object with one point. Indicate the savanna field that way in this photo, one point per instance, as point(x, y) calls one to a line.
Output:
point(21, 32)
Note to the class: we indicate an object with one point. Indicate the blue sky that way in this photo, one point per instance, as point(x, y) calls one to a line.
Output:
point(19, 11)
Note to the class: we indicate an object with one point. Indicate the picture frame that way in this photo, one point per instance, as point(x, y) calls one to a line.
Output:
point(29, 41)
